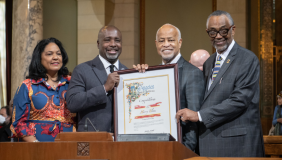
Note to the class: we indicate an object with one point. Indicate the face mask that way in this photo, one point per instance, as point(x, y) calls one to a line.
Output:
point(2, 119)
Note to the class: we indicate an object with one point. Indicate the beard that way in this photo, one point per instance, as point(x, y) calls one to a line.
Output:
point(168, 58)
point(221, 48)
point(112, 57)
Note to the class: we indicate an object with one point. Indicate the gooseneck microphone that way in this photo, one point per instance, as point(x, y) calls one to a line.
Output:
point(86, 126)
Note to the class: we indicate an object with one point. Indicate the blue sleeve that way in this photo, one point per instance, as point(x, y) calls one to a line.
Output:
point(274, 121)
point(21, 112)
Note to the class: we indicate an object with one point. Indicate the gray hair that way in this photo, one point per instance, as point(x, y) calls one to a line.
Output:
point(219, 13)
point(179, 33)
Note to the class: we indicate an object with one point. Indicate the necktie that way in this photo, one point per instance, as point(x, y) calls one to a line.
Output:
point(216, 68)
point(112, 68)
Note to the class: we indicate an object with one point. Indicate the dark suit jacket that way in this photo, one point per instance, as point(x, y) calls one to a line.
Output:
point(231, 124)
point(86, 96)
point(5, 133)
point(192, 89)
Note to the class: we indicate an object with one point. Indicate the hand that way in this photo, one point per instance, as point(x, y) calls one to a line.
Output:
point(29, 138)
point(187, 115)
point(141, 68)
point(112, 81)
point(279, 120)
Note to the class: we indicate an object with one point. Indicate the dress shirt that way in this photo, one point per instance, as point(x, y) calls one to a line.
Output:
point(223, 56)
point(107, 67)
point(174, 60)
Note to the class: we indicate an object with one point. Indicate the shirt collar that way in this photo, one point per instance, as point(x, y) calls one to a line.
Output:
point(176, 58)
point(107, 64)
point(227, 51)
point(42, 80)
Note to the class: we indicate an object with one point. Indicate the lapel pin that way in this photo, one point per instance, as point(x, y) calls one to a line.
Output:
point(228, 61)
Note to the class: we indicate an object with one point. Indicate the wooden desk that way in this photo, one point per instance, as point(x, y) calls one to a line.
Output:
point(78, 146)
point(273, 146)
point(229, 158)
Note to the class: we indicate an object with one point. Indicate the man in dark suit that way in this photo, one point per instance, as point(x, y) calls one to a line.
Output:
point(90, 90)
point(191, 79)
point(229, 115)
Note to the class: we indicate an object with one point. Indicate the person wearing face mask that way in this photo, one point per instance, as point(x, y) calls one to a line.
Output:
point(40, 111)
point(277, 116)
point(5, 123)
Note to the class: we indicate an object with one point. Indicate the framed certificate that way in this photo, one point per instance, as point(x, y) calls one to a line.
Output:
point(147, 103)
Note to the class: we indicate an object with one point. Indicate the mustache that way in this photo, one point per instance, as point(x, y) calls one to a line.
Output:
point(220, 40)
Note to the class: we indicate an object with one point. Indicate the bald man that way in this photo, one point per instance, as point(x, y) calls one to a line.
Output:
point(191, 79)
point(90, 90)
point(199, 57)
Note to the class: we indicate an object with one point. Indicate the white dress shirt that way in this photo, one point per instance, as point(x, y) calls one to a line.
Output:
point(223, 56)
point(107, 67)
point(176, 58)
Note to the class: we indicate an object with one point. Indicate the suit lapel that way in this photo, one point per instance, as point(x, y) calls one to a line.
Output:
point(99, 70)
point(180, 68)
point(121, 67)
point(228, 61)
point(210, 66)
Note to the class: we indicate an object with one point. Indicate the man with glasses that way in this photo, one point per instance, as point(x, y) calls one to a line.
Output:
point(229, 115)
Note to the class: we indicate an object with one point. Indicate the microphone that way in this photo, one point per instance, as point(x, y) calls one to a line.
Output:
point(86, 127)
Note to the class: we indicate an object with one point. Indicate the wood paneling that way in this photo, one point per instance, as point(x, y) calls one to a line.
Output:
point(97, 150)
point(266, 125)
point(142, 31)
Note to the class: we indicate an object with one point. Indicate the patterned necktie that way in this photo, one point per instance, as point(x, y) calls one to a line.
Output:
point(216, 68)
point(112, 68)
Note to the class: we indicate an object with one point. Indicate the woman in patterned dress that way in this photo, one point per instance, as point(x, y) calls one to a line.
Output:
point(39, 109)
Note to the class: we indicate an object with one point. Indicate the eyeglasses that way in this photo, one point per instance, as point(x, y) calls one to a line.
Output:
point(222, 32)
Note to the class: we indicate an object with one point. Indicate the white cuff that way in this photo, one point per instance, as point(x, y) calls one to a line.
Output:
point(200, 118)
point(105, 90)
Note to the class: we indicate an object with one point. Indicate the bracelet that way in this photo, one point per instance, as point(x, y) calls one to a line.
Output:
point(36, 141)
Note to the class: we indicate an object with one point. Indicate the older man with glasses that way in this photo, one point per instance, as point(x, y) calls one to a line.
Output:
point(229, 115)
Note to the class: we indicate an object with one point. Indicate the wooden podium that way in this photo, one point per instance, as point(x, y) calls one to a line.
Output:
point(273, 146)
point(94, 146)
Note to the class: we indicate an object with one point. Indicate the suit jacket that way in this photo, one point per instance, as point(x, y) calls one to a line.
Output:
point(5, 133)
point(192, 89)
point(86, 96)
point(231, 124)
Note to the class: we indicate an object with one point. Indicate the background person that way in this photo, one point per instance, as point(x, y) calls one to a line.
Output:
point(277, 116)
point(40, 111)
point(5, 122)
point(199, 57)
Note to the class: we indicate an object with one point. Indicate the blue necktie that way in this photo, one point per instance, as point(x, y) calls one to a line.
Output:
point(216, 68)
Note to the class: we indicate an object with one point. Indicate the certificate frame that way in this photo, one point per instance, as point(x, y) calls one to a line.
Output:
point(161, 69)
